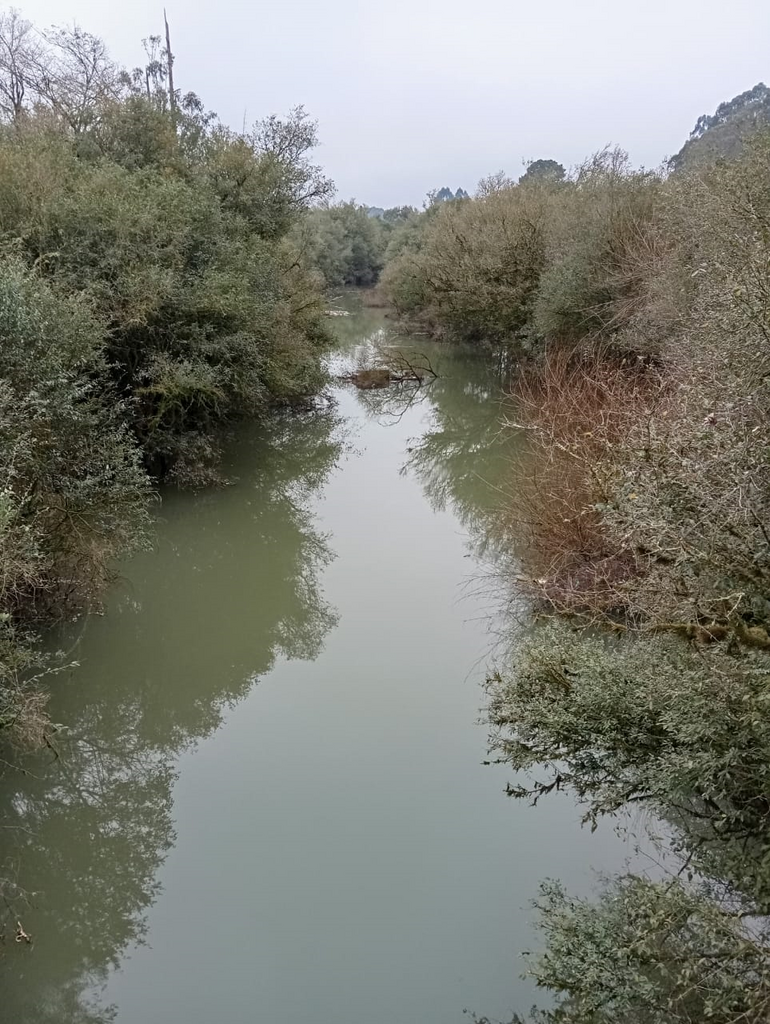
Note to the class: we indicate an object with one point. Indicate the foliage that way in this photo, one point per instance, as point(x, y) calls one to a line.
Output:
point(641, 512)
point(650, 951)
point(522, 262)
point(345, 243)
point(724, 133)
point(590, 277)
point(173, 227)
point(149, 297)
point(472, 272)
point(208, 318)
point(543, 170)
point(74, 493)
point(651, 721)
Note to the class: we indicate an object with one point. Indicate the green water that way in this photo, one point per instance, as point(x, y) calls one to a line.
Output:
point(269, 802)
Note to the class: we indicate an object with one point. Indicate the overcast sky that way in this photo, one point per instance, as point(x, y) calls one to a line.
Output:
point(416, 94)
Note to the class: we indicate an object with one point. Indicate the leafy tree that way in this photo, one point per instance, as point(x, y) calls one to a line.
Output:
point(344, 243)
point(666, 706)
point(543, 170)
point(643, 300)
point(492, 183)
point(469, 271)
point(74, 493)
point(650, 951)
point(398, 215)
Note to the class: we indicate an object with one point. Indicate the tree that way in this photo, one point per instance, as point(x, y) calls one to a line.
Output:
point(650, 951)
point(543, 170)
point(497, 182)
point(153, 298)
point(20, 53)
point(398, 215)
point(288, 142)
point(723, 134)
point(345, 243)
point(76, 76)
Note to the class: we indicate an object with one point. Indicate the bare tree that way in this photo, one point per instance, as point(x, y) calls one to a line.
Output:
point(20, 51)
point(76, 75)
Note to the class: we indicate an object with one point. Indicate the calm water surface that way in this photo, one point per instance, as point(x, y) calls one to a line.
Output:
point(270, 803)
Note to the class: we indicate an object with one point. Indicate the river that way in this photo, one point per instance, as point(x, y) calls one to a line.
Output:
point(269, 801)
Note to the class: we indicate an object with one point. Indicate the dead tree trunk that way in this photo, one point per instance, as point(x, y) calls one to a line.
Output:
point(170, 61)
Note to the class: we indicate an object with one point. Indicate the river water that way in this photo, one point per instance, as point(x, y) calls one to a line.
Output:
point(270, 802)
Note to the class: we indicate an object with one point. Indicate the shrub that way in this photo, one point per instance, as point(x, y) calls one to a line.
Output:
point(474, 272)
point(75, 494)
point(149, 297)
point(596, 237)
point(650, 951)
point(345, 244)
point(646, 510)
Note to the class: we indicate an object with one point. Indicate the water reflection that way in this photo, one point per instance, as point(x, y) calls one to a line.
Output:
point(463, 454)
point(233, 583)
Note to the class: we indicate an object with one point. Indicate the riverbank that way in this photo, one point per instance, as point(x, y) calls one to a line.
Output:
point(635, 306)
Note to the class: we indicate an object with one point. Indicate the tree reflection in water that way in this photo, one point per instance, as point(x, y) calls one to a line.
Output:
point(232, 584)
point(464, 454)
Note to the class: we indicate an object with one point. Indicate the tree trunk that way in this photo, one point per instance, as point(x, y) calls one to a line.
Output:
point(170, 60)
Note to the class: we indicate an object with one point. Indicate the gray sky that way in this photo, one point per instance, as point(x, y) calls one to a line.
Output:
point(417, 94)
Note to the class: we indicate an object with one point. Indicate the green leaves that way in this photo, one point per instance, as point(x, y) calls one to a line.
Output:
point(650, 951)
point(148, 298)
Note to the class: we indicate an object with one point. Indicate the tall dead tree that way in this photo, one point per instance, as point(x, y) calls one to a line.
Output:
point(170, 63)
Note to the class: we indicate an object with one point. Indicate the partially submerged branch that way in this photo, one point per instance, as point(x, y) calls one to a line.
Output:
point(397, 368)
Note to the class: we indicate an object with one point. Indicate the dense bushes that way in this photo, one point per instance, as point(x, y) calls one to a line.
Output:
point(473, 272)
point(661, 489)
point(149, 296)
point(206, 317)
point(651, 952)
point(640, 516)
point(344, 243)
point(523, 262)
point(74, 490)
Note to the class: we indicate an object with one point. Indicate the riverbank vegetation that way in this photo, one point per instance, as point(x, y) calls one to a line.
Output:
point(162, 277)
point(635, 304)
point(150, 295)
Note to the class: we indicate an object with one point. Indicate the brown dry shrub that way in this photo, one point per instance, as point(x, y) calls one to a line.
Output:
point(579, 409)
point(31, 724)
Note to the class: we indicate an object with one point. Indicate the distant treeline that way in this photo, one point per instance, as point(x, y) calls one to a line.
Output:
point(346, 243)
